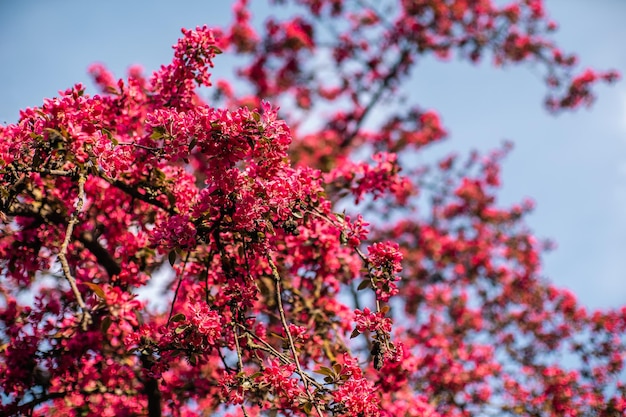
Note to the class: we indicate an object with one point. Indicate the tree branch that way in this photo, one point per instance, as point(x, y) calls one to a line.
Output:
point(102, 255)
point(382, 87)
point(88, 240)
point(283, 319)
point(85, 316)
point(151, 389)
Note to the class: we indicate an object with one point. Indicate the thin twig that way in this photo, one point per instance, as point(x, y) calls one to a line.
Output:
point(86, 316)
point(180, 281)
point(239, 359)
point(147, 148)
point(266, 347)
point(45, 171)
point(239, 362)
point(292, 346)
point(382, 88)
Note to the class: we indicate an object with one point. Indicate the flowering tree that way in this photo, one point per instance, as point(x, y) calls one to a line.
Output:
point(314, 268)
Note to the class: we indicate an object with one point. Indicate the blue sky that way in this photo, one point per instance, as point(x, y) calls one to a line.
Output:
point(573, 165)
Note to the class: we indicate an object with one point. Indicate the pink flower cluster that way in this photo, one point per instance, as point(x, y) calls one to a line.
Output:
point(385, 259)
point(367, 320)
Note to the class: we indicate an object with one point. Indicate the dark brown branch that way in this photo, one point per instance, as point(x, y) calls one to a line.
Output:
point(29, 406)
point(88, 240)
point(151, 389)
point(136, 193)
point(102, 255)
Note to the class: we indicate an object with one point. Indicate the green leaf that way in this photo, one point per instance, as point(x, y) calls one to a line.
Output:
point(193, 360)
point(106, 323)
point(96, 288)
point(171, 199)
point(337, 368)
point(53, 132)
point(193, 143)
point(343, 239)
point(172, 257)
point(366, 283)
point(180, 329)
point(178, 317)
point(276, 335)
point(160, 175)
point(112, 138)
point(251, 142)
point(325, 371)
point(157, 133)
point(355, 333)
point(215, 49)
point(139, 317)
point(36, 160)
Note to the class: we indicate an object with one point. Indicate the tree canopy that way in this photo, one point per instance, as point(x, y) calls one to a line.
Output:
point(315, 266)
